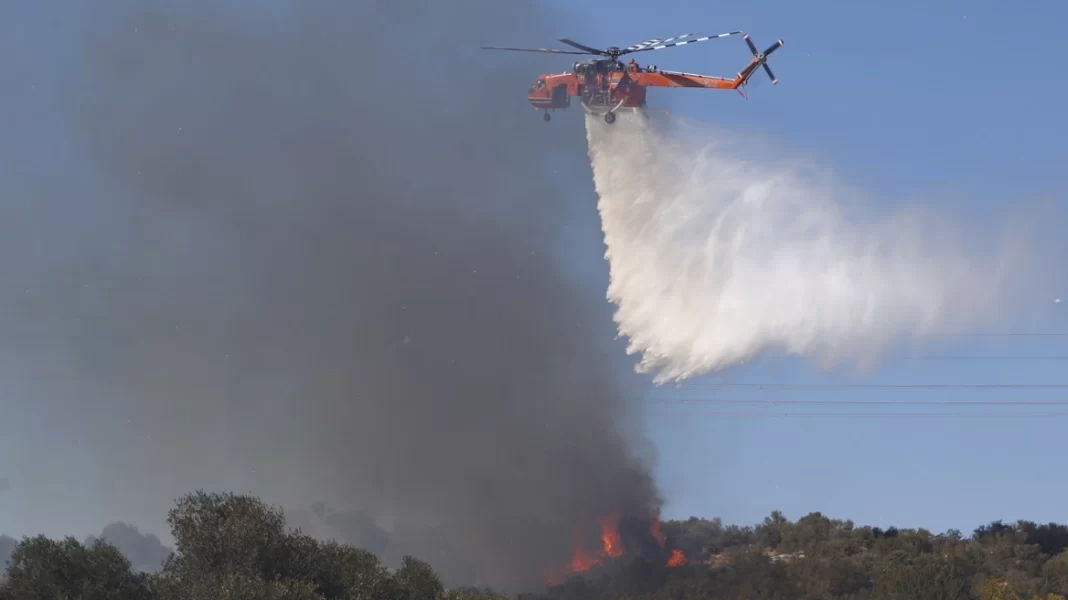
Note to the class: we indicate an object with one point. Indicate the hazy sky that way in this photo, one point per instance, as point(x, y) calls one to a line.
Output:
point(953, 102)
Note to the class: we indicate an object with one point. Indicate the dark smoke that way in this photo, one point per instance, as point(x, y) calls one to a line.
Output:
point(353, 527)
point(144, 550)
point(7, 548)
point(310, 255)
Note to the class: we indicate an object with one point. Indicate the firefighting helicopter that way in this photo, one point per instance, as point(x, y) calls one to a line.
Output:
point(606, 85)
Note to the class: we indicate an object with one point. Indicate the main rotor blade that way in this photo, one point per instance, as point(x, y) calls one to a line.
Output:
point(549, 50)
point(637, 47)
point(661, 46)
point(581, 47)
point(767, 70)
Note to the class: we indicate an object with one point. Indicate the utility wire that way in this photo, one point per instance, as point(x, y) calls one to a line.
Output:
point(886, 415)
point(864, 386)
point(1005, 334)
point(707, 401)
point(936, 357)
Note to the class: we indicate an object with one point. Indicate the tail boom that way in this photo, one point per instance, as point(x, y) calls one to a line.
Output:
point(677, 79)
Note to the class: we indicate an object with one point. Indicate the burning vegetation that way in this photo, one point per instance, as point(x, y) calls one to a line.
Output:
point(618, 540)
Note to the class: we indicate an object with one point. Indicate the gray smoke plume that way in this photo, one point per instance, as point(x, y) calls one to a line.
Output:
point(306, 250)
point(143, 550)
point(7, 548)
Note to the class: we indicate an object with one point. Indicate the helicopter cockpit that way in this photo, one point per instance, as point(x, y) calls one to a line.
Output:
point(538, 86)
point(597, 66)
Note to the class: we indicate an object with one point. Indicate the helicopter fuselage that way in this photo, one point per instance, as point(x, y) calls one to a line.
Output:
point(601, 85)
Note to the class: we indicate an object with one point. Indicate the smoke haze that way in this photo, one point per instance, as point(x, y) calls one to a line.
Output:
point(718, 254)
point(144, 550)
point(305, 251)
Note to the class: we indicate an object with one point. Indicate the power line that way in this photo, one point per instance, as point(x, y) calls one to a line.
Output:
point(702, 403)
point(992, 334)
point(867, 386)
point(707, 401)
point(1005, 334)
point(950, 357)
point(886, 415)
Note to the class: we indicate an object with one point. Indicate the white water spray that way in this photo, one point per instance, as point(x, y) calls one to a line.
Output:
point(715, 258)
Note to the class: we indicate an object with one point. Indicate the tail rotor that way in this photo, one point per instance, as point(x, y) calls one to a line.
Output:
point(761, 58)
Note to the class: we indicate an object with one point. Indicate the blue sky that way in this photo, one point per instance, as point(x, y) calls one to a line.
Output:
point(958, 100)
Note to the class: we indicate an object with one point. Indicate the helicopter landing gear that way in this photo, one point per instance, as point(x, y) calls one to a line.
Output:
point(609, 117)
point(547, 117)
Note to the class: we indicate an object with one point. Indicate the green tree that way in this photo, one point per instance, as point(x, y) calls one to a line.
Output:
point(232, 547)
point(1055, 573)
point(341, 572)
point(929, 577)
point(231, 586)
point(474, 593)
point(418, 580)
point(237, 545)
point(226, 533)
point(997, 589)
point(66, 569)
point(775, 527)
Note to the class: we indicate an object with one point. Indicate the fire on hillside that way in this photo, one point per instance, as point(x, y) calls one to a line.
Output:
point(619, 539)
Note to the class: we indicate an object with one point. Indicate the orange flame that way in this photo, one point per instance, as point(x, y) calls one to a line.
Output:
point(582, 562)
point(611, 546)
point(656, 533)
point(677, 558)
point(610, 538)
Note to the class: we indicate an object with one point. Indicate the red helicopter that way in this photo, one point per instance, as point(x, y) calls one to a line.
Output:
point(606, 85)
